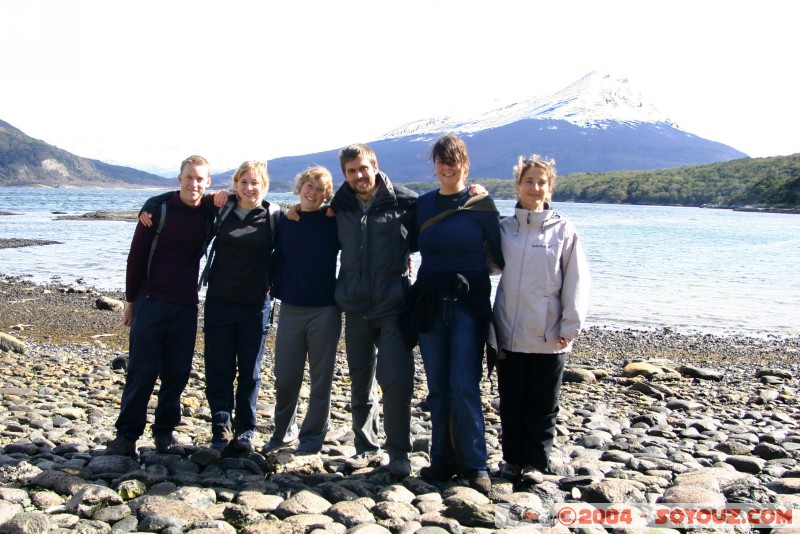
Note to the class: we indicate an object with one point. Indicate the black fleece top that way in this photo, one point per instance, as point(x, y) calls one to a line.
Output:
point(241, 264)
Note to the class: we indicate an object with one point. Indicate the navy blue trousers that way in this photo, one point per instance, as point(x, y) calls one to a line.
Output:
point(234, 339)
point(162, 341)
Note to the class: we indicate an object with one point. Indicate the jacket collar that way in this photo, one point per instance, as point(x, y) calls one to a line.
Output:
point(546, 217)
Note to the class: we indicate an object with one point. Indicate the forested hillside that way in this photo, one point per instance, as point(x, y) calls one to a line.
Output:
point(748, 182)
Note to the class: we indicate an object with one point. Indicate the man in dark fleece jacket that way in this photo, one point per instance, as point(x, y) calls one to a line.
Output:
point(375, 222)
point(161, 310)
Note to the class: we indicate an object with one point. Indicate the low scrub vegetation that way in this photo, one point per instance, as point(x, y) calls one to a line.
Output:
point(748, 182)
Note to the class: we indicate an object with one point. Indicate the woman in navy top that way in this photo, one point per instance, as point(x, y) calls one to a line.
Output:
point(452, 312)
point(310, 322)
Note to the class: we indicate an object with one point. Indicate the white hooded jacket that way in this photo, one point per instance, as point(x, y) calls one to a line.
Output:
point(544, 290)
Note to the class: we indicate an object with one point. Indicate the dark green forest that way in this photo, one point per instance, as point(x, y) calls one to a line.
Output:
point(749, 182)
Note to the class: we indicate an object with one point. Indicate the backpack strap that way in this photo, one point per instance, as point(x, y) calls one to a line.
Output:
point(223, 213)
point(274, 211)
point(474, 204)
point(161, 220)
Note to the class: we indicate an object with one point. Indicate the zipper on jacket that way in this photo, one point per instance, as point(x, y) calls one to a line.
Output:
point(521, 275)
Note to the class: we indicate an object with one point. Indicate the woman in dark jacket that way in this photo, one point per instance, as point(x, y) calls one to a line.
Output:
point(237, 309)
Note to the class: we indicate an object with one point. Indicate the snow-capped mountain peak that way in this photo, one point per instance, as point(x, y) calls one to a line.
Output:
point(591, 102)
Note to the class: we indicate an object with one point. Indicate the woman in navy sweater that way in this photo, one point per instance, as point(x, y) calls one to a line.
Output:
point(452, 312)
point(310, 322)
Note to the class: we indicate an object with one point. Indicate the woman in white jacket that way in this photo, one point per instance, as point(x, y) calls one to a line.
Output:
point(539, 310)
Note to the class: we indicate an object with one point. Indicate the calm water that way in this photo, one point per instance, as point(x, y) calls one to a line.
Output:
point(687, 268)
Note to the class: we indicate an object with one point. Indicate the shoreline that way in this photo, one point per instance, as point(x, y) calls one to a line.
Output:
point(651, 338)
point(706, 300)
point(66, 314)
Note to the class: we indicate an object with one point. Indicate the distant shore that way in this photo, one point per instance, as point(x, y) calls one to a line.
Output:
point(792, 211)
point(101, 215)
point(422, 187)
point(18, 243)
point(91, 185)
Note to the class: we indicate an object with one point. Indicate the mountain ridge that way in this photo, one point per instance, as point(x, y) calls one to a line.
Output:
point(591, 101)
point(25, 161)
point(597, 124)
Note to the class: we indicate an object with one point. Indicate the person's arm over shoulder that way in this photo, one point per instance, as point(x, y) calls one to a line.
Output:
point(207, 203)
point(406, 198)
point(407, 201)
point(152, 203)
point(344, 199)
point(491, 232)
point(576, 282)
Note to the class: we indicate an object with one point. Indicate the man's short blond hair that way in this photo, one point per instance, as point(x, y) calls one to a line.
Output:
point(195, 160)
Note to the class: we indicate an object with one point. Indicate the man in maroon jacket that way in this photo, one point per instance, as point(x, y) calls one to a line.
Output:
point(161, 309)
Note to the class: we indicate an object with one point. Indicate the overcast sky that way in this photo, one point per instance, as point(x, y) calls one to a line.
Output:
point(146, 83)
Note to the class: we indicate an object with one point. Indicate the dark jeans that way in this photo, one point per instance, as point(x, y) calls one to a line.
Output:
point(452, 351)
point(234, 339)
point(162, 340)
point(529, 385)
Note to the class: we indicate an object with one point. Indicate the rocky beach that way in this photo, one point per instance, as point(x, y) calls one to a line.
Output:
point(649, 418)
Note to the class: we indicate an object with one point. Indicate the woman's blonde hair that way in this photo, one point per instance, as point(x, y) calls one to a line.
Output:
point(315, 175)
point(259, 170)
point(524, 163)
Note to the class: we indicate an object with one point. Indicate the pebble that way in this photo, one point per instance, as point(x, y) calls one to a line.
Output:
point(9, 343)
point(646, 416)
